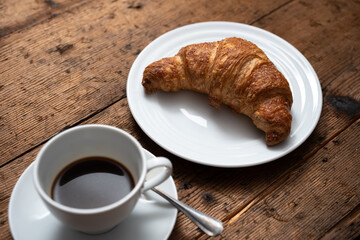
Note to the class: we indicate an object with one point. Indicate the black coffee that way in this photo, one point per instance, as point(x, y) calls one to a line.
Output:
point(92, 182)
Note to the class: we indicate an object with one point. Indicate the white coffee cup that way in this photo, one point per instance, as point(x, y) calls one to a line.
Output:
point(96, 140)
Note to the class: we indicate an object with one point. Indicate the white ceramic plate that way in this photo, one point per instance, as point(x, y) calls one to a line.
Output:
point(152, 219)
point(186, 125)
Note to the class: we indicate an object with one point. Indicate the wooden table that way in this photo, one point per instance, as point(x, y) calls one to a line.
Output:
point(65, 63)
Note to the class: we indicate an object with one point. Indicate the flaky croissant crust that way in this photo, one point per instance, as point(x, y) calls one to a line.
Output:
point(234, 72)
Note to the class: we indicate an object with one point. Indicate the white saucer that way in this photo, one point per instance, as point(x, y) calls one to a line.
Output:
point(183, 122)
point(153, 218)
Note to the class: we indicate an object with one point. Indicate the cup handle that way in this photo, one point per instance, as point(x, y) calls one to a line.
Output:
point(157, 162)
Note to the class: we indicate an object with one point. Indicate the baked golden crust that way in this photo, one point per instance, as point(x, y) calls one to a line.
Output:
point(234, 72)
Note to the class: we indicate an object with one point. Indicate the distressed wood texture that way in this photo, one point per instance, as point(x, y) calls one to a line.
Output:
point(77, 62)
point(65, 63)
point(309, 200)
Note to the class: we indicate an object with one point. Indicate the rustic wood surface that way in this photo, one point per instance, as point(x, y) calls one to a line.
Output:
point(65, 63)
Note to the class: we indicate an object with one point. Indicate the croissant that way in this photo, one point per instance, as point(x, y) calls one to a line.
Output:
point(234, 72)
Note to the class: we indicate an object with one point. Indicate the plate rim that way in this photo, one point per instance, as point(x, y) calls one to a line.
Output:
point(305, 61)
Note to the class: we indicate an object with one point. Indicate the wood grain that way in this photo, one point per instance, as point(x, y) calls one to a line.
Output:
point(76, 64)
point(292, 211)
point(16, 15)
point(200, 188)
point(348, 227)
point(333, 114)
point(69, 69)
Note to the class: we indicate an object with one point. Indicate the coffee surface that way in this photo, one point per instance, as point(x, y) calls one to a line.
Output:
point(92, 182)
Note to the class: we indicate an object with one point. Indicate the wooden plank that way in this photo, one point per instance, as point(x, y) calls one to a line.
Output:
point(335, 117)
point(67, 68)
point(239, 187)
point(347, 228)
point(15, 15)
point(195, 191)
point(327, 35)
point(311, 201)
point(222, 193)
point(190, 188)
point(340, 83)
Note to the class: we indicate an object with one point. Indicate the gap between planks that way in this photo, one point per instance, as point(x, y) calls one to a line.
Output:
point(278, 182)
point(66, 127)
point(351, 218)
point(271, 12)
point(283, 177)
point(281, 180)
point(81, 3)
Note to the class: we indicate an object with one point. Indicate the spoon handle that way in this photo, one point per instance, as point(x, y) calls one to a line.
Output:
point(211, 226)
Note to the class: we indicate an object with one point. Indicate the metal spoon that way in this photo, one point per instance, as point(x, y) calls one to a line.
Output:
point(211, 226)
